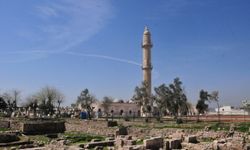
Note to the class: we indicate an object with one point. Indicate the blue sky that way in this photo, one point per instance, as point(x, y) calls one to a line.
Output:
point(95, 44)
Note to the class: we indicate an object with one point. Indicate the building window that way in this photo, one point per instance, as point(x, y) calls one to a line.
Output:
point(121, 112)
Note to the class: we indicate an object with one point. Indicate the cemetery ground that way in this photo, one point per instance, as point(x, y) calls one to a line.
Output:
point(128, 134)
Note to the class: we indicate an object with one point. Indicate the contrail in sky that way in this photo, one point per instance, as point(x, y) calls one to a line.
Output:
point(75, 54)
point(104, 57)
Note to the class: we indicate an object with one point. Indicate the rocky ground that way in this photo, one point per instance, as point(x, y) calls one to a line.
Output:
point(205, 138)
point(138, 135)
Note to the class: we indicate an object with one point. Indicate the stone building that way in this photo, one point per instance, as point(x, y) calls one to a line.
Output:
point(118, 109)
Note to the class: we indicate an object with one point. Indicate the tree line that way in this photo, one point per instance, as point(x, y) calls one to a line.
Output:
point(168, 99)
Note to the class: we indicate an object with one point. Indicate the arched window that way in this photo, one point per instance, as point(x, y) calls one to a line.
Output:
point(121, 112)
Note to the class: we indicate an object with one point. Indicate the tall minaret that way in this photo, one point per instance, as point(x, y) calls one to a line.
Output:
point(146, 64)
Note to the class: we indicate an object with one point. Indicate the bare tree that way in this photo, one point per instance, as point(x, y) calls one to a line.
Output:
point(47, 97)
point(31, 102)
point(214, 96)
point(60, 99)
point(12, 97)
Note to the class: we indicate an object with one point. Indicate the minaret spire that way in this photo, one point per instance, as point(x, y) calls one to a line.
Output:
point(146, 64)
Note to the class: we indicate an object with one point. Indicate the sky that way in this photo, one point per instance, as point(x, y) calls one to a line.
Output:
point(96, 44)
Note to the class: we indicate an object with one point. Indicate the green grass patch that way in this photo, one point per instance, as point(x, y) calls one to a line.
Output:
point(139, 142)
point(4, 129)
point(81, 137)
point(243, 127)
point(220, 126)
point(39, 138)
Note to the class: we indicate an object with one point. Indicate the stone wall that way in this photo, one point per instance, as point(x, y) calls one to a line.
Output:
point(4, 124)
point(43, 127)
point(8, 137)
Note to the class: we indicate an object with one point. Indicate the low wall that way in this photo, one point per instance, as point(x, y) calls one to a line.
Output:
point(43, 127)
point(4, 124)
point(8, 137)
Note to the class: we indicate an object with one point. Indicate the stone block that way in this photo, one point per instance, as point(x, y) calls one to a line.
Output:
point(128, 148)
point(128, 137)
point(191, 139)
point(123, 131)
point(119, 142)
point(166, 145)
point(112, 123)
point(8, 137)
point(102, 143)
point(129, 142)
point(247, 147)
point(153, 143)
point(175, 144)
point(139, 147)
point(43, 127)
point(4, 124)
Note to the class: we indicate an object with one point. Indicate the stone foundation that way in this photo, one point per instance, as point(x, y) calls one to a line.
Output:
point(4, 124)
point(8, 137)
point(43, 127)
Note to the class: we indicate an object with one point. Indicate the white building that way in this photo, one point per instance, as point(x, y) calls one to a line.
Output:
point(230, 110)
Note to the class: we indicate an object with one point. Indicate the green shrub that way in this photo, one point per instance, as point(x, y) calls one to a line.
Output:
point(179, 121)
point(243, 127)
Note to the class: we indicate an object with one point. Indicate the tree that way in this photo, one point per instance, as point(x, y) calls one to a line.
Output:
point(214, 96)
point(142, 98)
point(107, 101)
point(179, 98)
point(201, 105)
point(162, 99)
point(172, 98)
point(3, 104)
point(46, 98)
point(31, 102)
point(246, 106)
point(59, 100)
point(12, 97)
point(86, 100)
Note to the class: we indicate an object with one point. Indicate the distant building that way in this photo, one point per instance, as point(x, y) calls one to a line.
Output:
point(118, 109)
point(230, 110)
